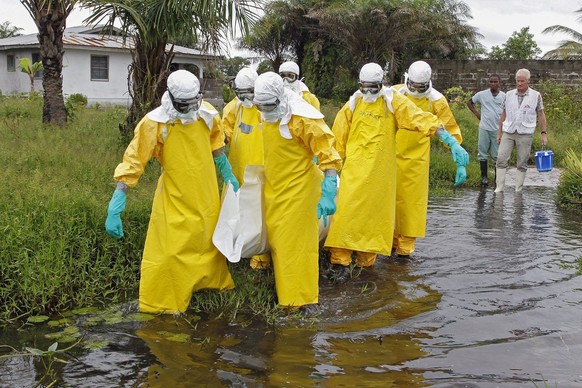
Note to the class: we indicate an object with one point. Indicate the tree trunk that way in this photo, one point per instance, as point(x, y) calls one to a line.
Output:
point(147, 83)
point(51, 27)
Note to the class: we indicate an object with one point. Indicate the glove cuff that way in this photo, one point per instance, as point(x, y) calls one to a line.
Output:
point(122, 187)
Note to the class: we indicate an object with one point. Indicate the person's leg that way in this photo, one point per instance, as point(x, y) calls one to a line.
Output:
point(505, 148)
point(482, 155)
point(365, 259)
point(405, 245)
point(523, 145)
point(340, 261)
point(340, 256)
point(493, 149)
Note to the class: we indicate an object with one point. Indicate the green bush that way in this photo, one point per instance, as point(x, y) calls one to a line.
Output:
point(77, 99)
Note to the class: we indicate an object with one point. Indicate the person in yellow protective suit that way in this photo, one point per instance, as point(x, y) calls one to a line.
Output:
point(365, 130)
point(294, 132)
point(413, 158)
point(289, 71)
point(240, 120)
point(184, 134)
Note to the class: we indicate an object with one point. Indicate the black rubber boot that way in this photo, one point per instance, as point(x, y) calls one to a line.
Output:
point(339, 273)
point(484, 179)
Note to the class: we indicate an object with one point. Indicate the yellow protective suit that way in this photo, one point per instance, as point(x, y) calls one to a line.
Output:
point(245, 136)
point(413, 161)
point(311, 99)
point(179, 257)
point(292, 190)
point(365, 137)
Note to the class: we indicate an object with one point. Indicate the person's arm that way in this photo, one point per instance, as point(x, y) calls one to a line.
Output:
point(472, 108)
point(500, 130)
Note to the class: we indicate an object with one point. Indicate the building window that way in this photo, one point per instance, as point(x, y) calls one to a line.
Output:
point(36, 58)
point(99, 68)
point(11, 62)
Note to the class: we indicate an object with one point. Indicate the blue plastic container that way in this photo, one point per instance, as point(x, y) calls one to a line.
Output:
point(544, 160)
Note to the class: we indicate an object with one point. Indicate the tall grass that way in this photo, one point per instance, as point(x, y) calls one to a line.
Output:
point(54, 251)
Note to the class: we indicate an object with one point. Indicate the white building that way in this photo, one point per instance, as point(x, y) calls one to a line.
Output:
point(93, 65)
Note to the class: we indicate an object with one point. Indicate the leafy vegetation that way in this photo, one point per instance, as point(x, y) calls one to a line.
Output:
point(568, 48)
point(520, 45)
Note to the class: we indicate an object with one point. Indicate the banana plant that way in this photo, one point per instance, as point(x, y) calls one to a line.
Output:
point(26, 66)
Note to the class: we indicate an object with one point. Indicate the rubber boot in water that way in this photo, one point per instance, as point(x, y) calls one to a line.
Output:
point(519, 179)
point(500, 180)
point(484, 179)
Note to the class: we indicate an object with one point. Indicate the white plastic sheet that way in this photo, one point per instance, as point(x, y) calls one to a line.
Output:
point(241, 230)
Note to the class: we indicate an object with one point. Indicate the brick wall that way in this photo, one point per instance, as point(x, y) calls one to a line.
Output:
point(472, 75)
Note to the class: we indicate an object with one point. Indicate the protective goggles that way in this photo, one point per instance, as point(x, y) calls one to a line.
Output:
point(185, 105)
point(419, 87)
point(289, 77)
point(245, 94)
point(370, 87)
point(268, 107)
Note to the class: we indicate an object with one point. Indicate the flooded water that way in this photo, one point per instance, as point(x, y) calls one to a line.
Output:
point(490, 299)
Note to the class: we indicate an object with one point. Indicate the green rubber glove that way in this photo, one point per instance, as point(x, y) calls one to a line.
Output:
point(113, 224)
point(461, 175)
point(326, 205)
point(226, 171)
point(460, 156)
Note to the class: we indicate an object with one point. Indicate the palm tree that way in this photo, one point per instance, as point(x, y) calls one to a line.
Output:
point(50, 17)
point(26, 66)
point(152, 24)
point(568, 49)
point(7, 30)
point(267, 38)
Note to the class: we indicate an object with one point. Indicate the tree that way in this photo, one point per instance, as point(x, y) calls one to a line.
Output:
point(26, 66)
point(229, 67)
point(267, 38)
point(153, 24)
point(7, 30)
point(569, 48)
point(520, 45)
point(50, 17)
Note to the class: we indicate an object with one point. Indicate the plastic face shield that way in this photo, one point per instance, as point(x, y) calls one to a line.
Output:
point(245, 94)
point(185, 105)
point(267, 107)
point(418, 87)
point(370, 87)
point(289, 77)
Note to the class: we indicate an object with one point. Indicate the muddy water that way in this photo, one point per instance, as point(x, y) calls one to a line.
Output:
point(491, 299)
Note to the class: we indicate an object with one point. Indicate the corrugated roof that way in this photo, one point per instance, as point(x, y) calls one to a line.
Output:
point(74, 38)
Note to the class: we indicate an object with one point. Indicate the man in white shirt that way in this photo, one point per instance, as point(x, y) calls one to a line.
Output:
point(522, 109)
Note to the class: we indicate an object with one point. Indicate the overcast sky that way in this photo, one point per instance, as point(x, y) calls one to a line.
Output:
point(496, 20)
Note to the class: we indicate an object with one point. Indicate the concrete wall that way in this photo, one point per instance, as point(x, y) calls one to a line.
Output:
point(473, 75)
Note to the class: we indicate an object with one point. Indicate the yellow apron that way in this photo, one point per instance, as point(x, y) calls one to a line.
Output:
point(292, 190)
point(413, 164)
point(245, 136)
point(179, 257)
point(364, 220)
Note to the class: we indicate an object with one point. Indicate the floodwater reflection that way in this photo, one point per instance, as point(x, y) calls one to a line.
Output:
point(491, 298)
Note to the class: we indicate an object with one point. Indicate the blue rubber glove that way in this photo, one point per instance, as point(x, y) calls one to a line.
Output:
point(113, 224)
point(460, 156)
point(461, 175)
point(226, 171)
point(326, 205)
